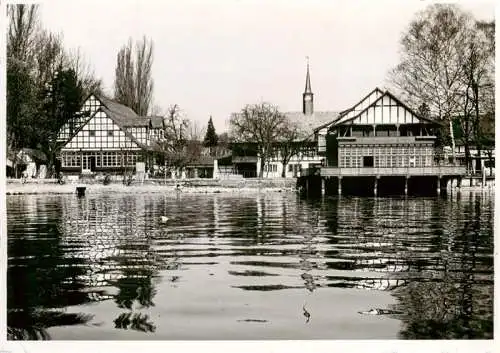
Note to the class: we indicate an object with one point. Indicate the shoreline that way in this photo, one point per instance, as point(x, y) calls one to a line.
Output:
point(116, 188)
point(52, 188)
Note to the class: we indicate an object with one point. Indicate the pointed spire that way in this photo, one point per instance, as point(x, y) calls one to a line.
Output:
point(308, 79)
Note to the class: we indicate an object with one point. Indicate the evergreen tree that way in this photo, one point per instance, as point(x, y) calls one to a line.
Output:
point(61, 100)
point(211, 138)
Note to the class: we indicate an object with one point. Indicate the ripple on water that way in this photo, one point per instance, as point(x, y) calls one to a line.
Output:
point(107, 262)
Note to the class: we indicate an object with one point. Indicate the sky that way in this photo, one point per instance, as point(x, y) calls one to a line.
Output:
point(212, 58)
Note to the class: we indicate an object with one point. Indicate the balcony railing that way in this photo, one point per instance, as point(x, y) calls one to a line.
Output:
point(397, 171)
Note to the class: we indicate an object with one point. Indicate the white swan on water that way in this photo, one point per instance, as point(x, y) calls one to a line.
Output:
point(164, 219)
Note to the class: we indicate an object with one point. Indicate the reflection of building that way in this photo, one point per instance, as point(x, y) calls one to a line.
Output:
point(434, 257)
point(106, 136)
point(381, 241)
point(112, 234)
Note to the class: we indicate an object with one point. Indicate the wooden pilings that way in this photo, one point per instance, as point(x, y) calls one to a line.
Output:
point(377, 185)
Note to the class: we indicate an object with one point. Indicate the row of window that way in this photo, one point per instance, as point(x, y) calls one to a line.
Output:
point(380, 151)
point(271, 168)
point(385, 161)
point(104, 159)
point(294, 167)
point(386, 156)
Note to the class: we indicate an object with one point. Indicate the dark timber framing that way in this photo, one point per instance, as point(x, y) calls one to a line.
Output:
point(380, 146)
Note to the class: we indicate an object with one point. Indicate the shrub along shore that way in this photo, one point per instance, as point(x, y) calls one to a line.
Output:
point(50, 186)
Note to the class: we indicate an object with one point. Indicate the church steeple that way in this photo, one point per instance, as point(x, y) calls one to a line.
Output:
point(307, 96)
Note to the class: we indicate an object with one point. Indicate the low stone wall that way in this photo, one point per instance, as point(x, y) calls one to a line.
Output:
point(249, 183)
point(50, 186)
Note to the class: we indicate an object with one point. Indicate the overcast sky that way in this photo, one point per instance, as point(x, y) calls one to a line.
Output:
point(212, 59)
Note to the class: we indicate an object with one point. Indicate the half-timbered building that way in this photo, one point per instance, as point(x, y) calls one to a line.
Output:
point(383, 142)
point(105, 136)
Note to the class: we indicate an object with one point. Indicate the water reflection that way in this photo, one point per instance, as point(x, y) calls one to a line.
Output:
point(434, 256)
point(455, 299)
point(42, 281)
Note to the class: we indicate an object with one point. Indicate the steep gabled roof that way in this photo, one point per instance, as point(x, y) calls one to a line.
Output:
point(126, 117)
point(113, 116)
point(375, 96)
point(117, 108)
point(343, 120)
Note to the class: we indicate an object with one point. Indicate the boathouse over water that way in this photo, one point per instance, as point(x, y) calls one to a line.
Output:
point(379, 147)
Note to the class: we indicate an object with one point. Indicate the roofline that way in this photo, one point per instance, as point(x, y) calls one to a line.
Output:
point(410, 109)
point(129, 135)
point(109, 99)
point(389, 94)
point(376, 89)
point(344, 112)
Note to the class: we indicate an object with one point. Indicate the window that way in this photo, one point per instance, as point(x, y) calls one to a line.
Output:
point(110, 132)
point(270, 168)
point(92, 133)
point(367, 161)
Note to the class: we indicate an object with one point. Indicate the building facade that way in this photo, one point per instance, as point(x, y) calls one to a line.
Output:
point(105, 136)
point(381, 143)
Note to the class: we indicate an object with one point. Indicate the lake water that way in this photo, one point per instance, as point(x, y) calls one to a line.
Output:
point(249, 267)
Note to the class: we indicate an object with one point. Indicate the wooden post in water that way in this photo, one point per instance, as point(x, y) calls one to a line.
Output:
point(439, 185)
point(375, 185)
point(323, 186)
point(340, 185)
point(406, 184)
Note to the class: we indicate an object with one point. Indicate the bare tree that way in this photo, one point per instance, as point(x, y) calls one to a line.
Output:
point(133, 80)
point(196, 131)
point(50, 57)
point(23, 26)
point(430, 70)
point(478, 85)
point(143, 79)
point(78, 63)
point(181, 143)
point(261, 124)
point(290, 143)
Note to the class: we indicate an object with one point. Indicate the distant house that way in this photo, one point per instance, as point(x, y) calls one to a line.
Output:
point(482, 160)
point(246, 162)
point(106, 136)
point(31, 161)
